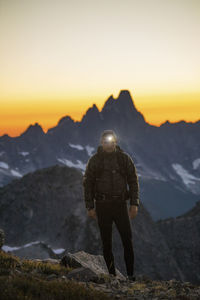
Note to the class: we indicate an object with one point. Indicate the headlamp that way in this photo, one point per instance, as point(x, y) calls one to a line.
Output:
point(109, 138)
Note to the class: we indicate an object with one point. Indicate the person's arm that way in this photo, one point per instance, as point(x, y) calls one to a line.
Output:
point(89, 183)
point(133, 183)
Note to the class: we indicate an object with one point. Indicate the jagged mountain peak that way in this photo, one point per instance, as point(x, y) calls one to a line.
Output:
point(33, 129)
point(65, 119)
point(92, 112)
point(5, 137)
point(94, 108)
point(124, 101)
point(125, 97)
point(124, 94)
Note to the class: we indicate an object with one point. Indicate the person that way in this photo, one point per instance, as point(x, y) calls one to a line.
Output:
point(108, 175)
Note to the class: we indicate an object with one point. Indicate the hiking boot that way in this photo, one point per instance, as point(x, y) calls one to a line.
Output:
point(131, 277)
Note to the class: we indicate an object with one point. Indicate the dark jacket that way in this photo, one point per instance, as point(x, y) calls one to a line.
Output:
point(107, 183)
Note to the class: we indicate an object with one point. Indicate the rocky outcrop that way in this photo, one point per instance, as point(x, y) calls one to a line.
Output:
point(81, 259)
point(182, 234)
point(86, 273)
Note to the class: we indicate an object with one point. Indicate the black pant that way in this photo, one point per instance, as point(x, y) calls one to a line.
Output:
point(107, 212)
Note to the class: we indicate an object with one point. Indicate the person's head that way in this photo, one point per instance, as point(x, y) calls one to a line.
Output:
point(108, 140)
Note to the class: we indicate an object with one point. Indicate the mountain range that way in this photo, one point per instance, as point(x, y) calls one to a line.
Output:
point(167, 157)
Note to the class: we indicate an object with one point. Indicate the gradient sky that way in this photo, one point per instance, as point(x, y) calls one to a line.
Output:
point(59, 57)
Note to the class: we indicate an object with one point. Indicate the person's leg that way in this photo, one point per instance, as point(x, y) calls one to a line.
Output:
point(122, 221)
point(104, 216)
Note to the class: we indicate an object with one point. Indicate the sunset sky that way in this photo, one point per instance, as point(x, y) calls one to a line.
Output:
point(59, 57)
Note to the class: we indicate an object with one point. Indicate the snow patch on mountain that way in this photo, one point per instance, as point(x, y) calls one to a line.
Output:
point(69, 163)
point(24, 153)
point(7, 248)
point(3, 165)
point(196, 163)
point(79, 147)
point(89, 150)
point(15, 173)
point(58, 251)
point(184, 174)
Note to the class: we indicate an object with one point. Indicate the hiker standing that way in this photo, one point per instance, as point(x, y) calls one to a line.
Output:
point(108, 173)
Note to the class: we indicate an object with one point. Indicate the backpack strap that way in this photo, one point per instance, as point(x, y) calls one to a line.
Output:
point(121, 163)
point(100, 164)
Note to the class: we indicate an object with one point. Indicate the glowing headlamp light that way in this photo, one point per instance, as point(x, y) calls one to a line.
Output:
point(109, 138)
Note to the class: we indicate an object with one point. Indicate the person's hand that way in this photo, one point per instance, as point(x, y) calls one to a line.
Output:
point(92, 213)
point(133, 210)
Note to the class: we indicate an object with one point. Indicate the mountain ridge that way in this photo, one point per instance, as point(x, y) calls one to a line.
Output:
point(164, 156)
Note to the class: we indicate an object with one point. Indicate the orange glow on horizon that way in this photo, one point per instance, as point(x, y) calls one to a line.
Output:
point(58, 58)
point(17, 116)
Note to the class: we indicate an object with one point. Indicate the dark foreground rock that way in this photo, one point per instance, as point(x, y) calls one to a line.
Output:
point(90, 271)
